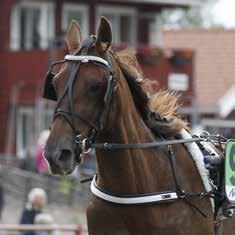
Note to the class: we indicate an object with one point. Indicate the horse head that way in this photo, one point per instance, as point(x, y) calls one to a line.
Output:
point(83, 89)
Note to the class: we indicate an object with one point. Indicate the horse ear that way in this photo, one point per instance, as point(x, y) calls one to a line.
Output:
point(104, 38)
point(73, 37)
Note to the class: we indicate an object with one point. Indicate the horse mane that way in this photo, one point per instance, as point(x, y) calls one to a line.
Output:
point(166, 120)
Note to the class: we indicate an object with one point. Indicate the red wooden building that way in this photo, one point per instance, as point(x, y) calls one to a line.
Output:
point(31, 32)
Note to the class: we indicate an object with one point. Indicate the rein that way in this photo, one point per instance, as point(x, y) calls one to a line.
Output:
point(116, 146)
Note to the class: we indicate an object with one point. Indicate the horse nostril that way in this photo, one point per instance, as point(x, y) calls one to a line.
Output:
point(65, 155)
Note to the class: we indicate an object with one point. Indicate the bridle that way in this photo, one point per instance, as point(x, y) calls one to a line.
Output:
point(82, 143)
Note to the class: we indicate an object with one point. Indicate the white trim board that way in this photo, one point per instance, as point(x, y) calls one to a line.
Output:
point(170, 2)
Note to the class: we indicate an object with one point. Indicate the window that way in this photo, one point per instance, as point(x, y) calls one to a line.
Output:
point(30, 122)
point(78, 12)
point(32, 26)
point(25, 131)
point(123, 22)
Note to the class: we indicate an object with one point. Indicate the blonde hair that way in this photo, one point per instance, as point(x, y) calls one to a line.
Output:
point(36, 192)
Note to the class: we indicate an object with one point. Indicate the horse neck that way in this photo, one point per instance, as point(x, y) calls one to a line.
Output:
point(130, 171)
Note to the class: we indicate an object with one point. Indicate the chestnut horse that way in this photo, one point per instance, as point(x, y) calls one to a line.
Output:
point(80, 104)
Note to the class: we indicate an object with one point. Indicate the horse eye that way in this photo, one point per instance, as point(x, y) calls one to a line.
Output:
point(95, 87)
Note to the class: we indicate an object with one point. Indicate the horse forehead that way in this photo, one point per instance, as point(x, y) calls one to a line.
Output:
point(90, 71)
point(85, 70)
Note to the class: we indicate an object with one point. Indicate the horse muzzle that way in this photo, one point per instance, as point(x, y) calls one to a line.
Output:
point(61, 161)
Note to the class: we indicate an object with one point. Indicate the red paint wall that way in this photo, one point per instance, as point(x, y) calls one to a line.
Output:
point(28, 68)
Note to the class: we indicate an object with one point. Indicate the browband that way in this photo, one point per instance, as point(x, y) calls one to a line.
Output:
point(86, 59)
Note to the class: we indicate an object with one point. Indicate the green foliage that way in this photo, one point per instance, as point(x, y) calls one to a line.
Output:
point(68, 185)
point(195, 17)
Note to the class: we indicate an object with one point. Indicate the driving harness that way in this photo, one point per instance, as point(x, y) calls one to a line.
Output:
point(84, 144)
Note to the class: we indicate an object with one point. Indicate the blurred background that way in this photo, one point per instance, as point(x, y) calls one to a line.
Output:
point(184, 45)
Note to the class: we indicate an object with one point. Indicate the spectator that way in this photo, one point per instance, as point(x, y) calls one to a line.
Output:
point(44, 218)
point(36, 202)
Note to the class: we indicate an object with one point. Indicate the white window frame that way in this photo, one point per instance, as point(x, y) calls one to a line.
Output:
point(84, 9)
point(37, 122)
point(130, 11)
point(47, 15)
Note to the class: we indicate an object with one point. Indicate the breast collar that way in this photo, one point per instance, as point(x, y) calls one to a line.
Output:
point(140, 199)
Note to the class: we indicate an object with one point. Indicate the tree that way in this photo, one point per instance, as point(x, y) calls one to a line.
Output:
point(195, 17)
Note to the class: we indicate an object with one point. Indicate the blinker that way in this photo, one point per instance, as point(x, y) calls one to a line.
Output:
point(48, 87)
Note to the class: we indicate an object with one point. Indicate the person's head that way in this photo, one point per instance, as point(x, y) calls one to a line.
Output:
point(37, 198)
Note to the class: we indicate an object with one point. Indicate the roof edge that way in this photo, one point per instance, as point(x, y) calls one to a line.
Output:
point(172, 2)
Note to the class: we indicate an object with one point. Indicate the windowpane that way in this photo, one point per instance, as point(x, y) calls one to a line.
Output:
point(125, 29)
point(76, 12)
point(25, 131)
point(75, 15)
point(123, 24)
point(111, 18)
point(35, 16)
point(29, 34)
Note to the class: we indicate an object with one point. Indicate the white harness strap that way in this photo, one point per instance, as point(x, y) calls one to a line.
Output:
point(132, 200)
point(198, 158)
point(86, 58)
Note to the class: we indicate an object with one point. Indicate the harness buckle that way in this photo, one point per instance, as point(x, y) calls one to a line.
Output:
point(85, 61)
point(78, 139)
point(84, 146)
point(85, 143)
point(181, 194)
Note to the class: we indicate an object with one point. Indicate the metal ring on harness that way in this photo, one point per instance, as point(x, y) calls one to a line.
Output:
point(83, 143)
point(84, 146)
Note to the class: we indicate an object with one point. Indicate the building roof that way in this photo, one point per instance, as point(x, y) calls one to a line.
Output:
point(214, 61)
point(167, 2)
